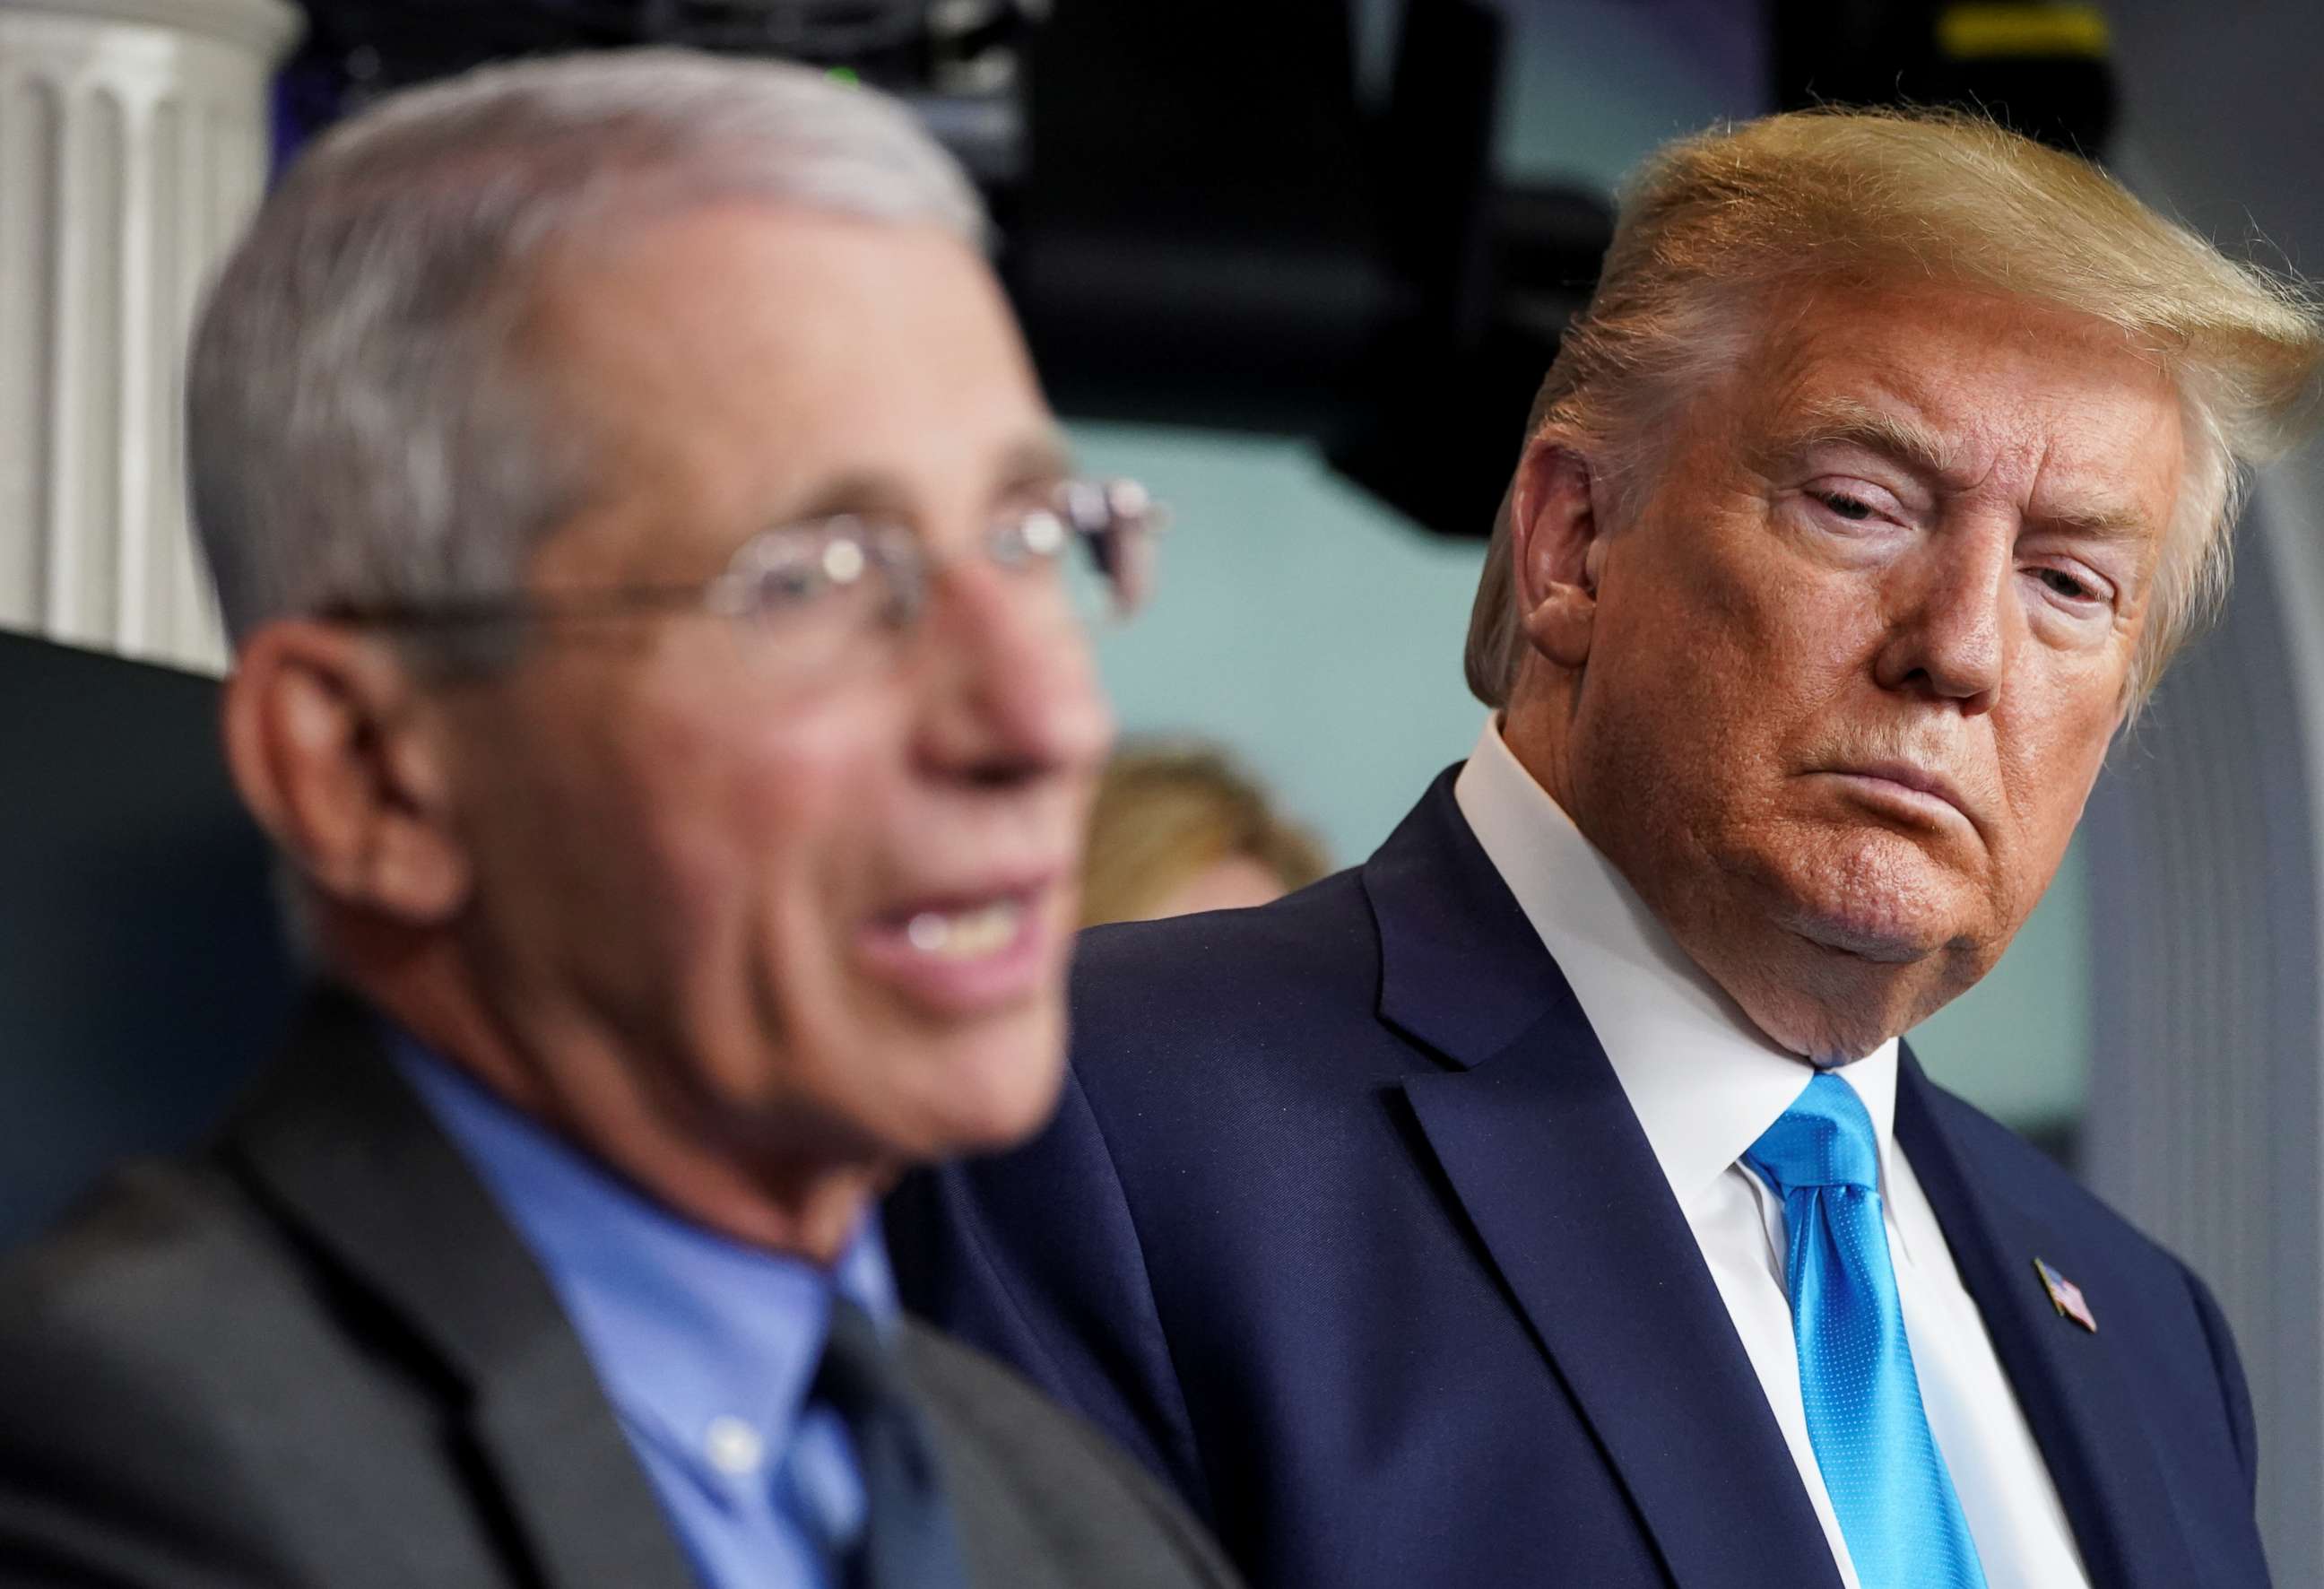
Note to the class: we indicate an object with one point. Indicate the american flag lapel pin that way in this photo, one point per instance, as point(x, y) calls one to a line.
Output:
point(2066, 1297)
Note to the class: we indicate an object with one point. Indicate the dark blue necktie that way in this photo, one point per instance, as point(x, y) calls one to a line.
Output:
point(907, 1542)
point(1887, 1480)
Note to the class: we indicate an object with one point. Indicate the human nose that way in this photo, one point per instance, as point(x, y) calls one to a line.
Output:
point(1952, 623)
point(1016, 690)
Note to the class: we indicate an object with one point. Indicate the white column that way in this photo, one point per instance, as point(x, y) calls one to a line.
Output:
point(133, 141)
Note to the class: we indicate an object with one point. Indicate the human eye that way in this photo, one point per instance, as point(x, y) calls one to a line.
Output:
point(1841, 505)
point(1032, 534)
point(2072, 585)
point(1852, 502)
point(811, 566)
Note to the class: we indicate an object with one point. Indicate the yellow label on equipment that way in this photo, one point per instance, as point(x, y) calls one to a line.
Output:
point(1984, 32)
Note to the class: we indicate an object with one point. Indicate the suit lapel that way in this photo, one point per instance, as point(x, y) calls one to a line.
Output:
point(2082, 1410)
point(338, 1147)
point(1553, 1172)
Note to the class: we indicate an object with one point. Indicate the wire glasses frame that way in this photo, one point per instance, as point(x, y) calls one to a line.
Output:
point(824, 587)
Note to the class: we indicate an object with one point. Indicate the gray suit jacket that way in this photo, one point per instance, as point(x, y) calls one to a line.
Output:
point(315, 1357)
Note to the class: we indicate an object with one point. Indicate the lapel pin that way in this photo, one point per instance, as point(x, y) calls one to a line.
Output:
point(2066, 1297)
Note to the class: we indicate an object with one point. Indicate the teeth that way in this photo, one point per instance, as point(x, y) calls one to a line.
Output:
point(965, 935)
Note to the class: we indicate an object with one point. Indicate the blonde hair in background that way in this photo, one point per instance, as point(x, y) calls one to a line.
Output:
point(1165, 814)
point(1719, 225)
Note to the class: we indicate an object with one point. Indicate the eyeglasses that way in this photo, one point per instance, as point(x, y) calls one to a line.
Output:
point(827, 591)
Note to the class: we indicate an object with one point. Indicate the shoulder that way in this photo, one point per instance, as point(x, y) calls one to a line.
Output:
point(1311, 934)
point(2007, 1164)
point(1041, 1496)
point(126, 1335)
point(1217, 1033)
point(136, 1273)
point(2148, 1286)
point(1240, 975)
point(2159, 1316)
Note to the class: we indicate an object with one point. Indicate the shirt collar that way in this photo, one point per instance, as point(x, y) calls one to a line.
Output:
point(684, 1327)
point(1703, 1081)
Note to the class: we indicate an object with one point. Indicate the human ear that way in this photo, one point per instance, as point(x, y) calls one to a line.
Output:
point(329, 744)
point(1556, 549)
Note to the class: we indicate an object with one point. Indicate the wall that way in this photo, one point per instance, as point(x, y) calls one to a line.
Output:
point(1313, 630)
point(2206, 1128)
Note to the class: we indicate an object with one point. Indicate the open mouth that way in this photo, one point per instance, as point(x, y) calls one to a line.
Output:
point(969, 934)
point(968, 953)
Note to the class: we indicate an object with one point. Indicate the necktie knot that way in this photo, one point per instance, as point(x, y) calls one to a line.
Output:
point(1824, 1139)
point(906, 1537)
point(857, 1376)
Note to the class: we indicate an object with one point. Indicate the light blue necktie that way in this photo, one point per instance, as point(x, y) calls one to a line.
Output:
point(1887, 1480)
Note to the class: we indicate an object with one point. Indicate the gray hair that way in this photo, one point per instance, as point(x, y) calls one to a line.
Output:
point(359, 429)
point(1717, 225)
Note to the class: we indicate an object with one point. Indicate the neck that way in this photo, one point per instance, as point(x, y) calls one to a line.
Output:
point(766, 1189)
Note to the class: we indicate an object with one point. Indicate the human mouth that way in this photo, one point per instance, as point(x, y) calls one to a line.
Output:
point(1905, 789)
point(968, 952)
point(966, 934)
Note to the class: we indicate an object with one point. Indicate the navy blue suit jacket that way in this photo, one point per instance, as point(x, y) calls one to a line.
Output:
point(1346, 1228)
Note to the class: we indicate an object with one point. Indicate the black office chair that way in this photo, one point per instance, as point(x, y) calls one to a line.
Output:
point(143, 972)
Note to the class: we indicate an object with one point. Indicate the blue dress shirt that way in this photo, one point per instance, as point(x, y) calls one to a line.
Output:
point(705, 1348)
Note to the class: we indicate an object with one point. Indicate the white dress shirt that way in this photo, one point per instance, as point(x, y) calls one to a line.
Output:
point(1705, 1083)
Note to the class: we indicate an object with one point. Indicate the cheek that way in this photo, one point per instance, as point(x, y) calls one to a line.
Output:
point(2049, 761)
point(756, 828)
point(761, 837)
point(558, 827)
point(1726, 650)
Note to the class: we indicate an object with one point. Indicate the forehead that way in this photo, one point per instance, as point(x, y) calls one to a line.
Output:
point(2050, 409)
point(731, 358)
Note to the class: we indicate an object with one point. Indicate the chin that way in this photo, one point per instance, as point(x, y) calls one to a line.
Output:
point(1878, 896)
point(984, 1090)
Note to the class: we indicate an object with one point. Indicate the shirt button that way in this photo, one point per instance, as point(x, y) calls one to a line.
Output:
point(733, 1447)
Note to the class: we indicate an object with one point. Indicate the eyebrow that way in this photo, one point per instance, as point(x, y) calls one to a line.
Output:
point(1038, 456)
point(858, 491)
point(1044, 455)
point(1842, 422)
point(2110, 524)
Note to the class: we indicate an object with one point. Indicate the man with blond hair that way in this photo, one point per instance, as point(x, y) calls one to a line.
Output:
point(652, 573)
point(1550, 1199)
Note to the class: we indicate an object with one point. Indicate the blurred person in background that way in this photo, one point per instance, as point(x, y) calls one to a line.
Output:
point(1550, 1200)
point(1178, 828)
point(650, 562)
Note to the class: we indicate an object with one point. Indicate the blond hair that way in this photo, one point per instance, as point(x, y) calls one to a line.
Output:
point(1713, 226)
point(1166, 814)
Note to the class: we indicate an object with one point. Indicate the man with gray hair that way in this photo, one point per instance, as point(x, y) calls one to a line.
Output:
point(654, 581)
point(1550, 1200)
